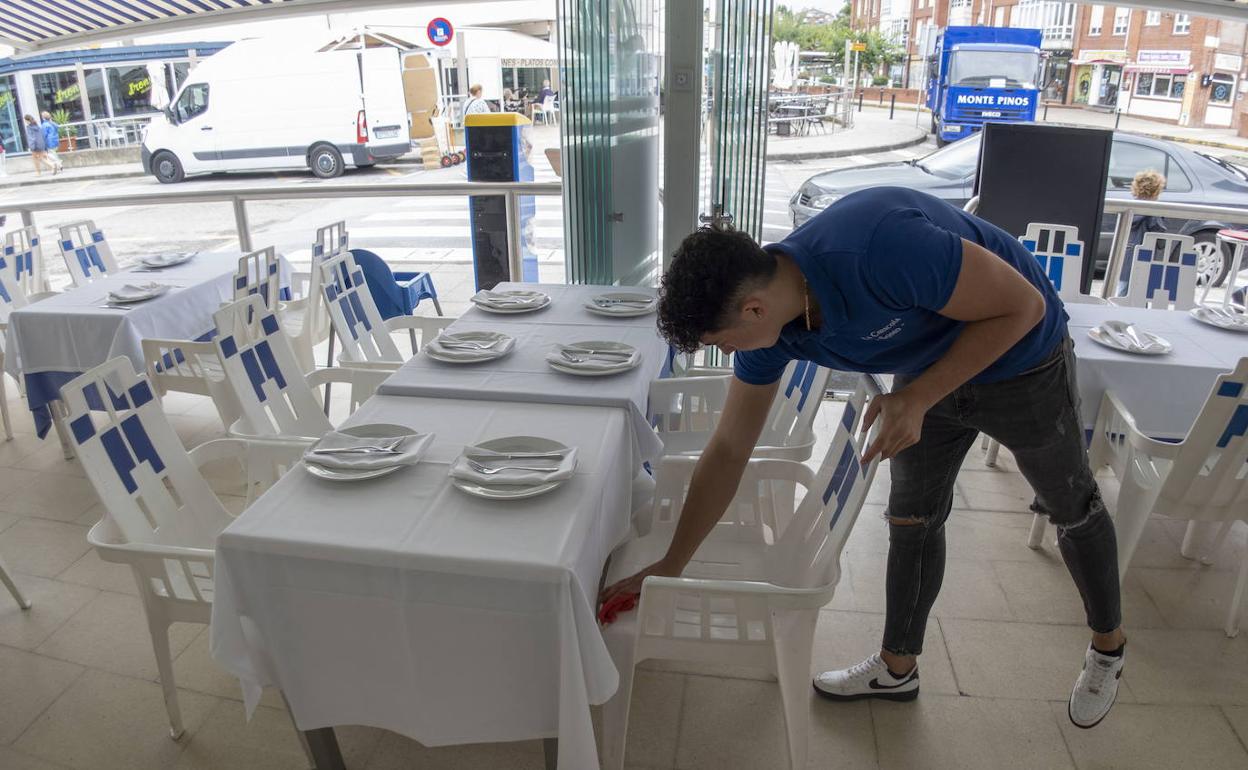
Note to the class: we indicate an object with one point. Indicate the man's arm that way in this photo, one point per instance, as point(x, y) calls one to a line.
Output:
point(715, 480)
point(999, 307)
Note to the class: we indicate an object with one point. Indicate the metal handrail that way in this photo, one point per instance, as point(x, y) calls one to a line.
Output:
point(238, 197)
point(1127, 209)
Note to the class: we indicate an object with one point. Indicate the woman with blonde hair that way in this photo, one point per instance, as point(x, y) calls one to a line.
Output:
point(1146, 186)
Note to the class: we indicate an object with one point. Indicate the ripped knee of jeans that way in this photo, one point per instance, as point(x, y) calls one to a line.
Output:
point(1094, 512)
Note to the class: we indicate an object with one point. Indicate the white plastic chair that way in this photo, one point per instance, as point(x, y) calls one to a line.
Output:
point(752, 593)
point(364, 334)
point(259, 273)
point(1237, 242)
point(23, 251)
point(1163, 273)
point(162, 517)
point(275, 397)
point(1060, 253)
point(190, 366)
point(1203, 478)
point(687, 409)
point(546, 109)
point(86, 252)
point(305, 318)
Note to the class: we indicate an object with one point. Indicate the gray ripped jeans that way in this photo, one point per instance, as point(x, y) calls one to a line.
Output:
point(1036, 416)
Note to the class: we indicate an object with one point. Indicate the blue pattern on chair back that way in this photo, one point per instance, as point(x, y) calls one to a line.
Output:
point(4, 289)
point(345, 291)
point(88, 257)
point(23, 261)
point(1164, 269)
point(257, 357)
point(126, 443)
point(803, 376)
point(1238, 424)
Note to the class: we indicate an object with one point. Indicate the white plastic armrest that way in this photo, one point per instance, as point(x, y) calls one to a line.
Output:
point(243, 449)
point(398, 322)
point(369, 379)
point(153, 345)
point(779, 597)
point(1111, 404)
point(146, 550)
point(714, 386)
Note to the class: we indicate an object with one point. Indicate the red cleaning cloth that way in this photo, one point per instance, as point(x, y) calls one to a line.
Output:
point(612, 607)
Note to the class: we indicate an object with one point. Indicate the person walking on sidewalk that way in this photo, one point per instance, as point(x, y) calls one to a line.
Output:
point(52, 136)
point(891, 280)
point(37, 143)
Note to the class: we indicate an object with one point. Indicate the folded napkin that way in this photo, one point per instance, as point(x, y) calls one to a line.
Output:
point(410, 448)
point(635, 304)
point(505, 300)
point(592, 363)
point(461, 470)
point(470, 354)
point(138, 291)
point(612, 607)
point(167, 260)
point(1117, 330)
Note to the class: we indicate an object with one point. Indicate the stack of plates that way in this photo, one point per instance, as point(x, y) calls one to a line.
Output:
point(1129, 339)
point(512, 301)
point(593, 358)
point(1221, 317)
point(469, 347)
point(365, 452)
point(513, 468)
point(137, 292)
point(621, 304)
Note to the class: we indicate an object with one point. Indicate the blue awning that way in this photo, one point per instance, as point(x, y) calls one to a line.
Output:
point(98, 56)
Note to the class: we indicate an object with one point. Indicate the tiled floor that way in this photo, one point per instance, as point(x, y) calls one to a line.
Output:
point(78, 679)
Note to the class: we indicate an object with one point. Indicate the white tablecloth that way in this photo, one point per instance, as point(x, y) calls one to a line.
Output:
point(1165, 393)
point(70, 332)
point(405, 604)
point(523, 374)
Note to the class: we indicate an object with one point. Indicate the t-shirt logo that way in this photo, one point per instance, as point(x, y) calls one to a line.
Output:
point(890, 329)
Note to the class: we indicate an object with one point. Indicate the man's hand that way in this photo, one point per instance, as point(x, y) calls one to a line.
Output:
point(902, 413)
point(622, 596)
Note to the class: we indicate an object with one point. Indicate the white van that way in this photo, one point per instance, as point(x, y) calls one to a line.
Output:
point(260, 104)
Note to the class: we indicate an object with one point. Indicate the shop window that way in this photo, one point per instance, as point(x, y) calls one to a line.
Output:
point(1182, 24)
point(1222, 88)
point(1144, 84)
point(131, 90)
point(1176, 88)
point(1096, 18)
point(59, 90)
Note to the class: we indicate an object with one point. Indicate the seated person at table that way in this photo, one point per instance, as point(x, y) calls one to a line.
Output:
point(894, 281)
point(1146, 186)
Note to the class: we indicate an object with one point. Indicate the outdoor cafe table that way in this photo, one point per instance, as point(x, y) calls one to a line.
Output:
point(53, 341)
point(1165, 393)
point(403, 603)
point(523, 374)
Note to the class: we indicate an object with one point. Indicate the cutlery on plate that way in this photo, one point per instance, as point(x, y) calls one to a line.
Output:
point(575, 359)
point(358, 450)
point(1135, 338)
point(513, 455)
point(470, 344)
point(605, 301)
point(596, 351)
point(490, 471)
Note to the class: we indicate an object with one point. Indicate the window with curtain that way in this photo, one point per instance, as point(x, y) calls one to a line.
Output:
point(1122, 20)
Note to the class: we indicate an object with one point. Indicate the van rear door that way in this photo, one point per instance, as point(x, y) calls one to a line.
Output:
point(385, 109)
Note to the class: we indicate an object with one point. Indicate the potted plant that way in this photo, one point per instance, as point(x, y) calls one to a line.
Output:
point(69, 134)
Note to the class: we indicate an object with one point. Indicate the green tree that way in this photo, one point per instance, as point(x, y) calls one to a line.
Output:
point(790, 26)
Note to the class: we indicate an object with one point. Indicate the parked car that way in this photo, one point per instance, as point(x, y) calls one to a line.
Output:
point(949, 173)
point(260, 104)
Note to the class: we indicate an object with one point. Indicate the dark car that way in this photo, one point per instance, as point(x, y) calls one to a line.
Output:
point(949, 173)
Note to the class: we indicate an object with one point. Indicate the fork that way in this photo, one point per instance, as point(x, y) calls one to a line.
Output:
point(457, 343)
point(488, 471)
point(610, 301)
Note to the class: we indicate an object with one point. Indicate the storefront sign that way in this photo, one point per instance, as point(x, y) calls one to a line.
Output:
point(6, 99)
point(1088, 57)
point(136, 87)
point(1173, 58)
point(440, 31)
point(992, 100)
point(1228, 61)
point(67, 94)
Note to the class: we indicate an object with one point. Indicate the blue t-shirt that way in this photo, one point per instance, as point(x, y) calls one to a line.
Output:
point(881, 262)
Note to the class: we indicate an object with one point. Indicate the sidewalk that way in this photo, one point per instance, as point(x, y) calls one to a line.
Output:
point(1209, 137)
point(872, 132)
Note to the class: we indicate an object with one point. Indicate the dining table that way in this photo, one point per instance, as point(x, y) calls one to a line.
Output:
point(1164, 392)
point(406, 602)
point(50, 342)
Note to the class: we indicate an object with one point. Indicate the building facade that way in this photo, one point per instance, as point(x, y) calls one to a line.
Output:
point(1166, 66)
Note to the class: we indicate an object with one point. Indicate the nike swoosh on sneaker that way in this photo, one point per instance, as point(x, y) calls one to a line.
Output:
point(874, 684)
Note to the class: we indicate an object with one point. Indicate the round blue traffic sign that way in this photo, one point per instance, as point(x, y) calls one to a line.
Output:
point(440, 31)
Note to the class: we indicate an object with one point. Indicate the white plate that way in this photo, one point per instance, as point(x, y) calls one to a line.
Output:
point(379, 430)
point(622, 311)
point(167, 260)
point(567, 367)
point(1109, 341)
point(464, 356)
point(545, 300)
point(512, 491)
point(1203, 315)
point(132, 298)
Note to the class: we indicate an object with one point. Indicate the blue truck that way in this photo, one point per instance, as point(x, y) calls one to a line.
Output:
point(979, 75)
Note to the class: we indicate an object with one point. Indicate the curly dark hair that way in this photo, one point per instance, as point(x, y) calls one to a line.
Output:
point(710, 272)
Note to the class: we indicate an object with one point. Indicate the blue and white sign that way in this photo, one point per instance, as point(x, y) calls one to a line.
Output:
point(991, 100)
point(440, 31)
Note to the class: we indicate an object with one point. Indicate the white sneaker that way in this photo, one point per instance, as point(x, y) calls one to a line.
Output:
point(868, 679)
point(1095, 689)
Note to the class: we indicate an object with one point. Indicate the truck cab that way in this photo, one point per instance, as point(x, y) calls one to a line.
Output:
point(979, 75)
